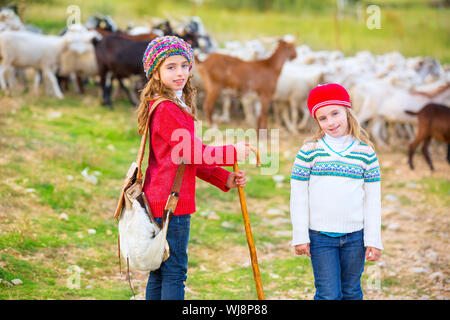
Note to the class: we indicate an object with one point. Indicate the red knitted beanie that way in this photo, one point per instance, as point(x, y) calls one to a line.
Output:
point(327, 94)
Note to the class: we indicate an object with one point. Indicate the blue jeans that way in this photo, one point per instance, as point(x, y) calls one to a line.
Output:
point(167, 282)
point(338, 263)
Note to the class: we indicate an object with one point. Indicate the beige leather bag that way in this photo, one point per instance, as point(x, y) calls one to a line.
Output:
point(142, 241)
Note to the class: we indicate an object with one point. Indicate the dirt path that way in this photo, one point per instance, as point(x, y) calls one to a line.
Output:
point(415, 263)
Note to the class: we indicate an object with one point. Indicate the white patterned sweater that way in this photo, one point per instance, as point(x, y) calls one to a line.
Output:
point(336, 192)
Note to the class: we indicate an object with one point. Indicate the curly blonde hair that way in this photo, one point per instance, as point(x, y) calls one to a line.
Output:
point(155, 89)
point(354, 129)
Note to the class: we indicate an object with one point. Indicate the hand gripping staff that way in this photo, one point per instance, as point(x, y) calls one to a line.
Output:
point(248, 230)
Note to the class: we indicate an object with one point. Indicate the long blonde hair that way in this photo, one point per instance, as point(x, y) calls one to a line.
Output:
point(354, 129)
point(155, 89)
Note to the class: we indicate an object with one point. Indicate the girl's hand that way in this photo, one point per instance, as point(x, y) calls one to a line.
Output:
point(302, 249)
point(242, 151)
point(372, 254)
point(236, 179)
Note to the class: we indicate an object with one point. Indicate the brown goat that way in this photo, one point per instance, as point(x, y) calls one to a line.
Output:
point(434, 122)
point(221, 71)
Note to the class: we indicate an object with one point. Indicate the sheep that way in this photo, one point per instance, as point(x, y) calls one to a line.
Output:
point(434, 122)
point(248, 51)
point(22, 49)
point(385, 99)
point(79, 59)
point(381, 102)
point(221, 71)
point(293, 86)
point(10, 21)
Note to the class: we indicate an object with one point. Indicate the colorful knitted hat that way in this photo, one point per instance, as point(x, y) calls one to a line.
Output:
point(162, 47)
point(327, 94)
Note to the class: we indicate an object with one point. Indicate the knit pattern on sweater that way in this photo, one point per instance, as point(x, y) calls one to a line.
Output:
point(336, 192)
point(360, 163)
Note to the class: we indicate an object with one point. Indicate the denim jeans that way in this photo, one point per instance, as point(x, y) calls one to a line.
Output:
point(338, 263)
point(167, 282)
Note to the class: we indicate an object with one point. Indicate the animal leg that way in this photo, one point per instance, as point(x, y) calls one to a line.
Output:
point(37, 82)
point(208, 104)
point(448, 153)
point(11, 78)
point(262, 119)
point(249, 104)
point(80, 83)
point(376, 129)
point(290, 124)
point(51, 77)
point(130, 97)
point(412, 148)
point(226, 105)
point(106, 84)
point(21, 75)
point(134, 89)
point(305, 118)
point(277, 105)
point(425, 152)
point(76, 84)
point(409, 131)
point(2, 76)
point(392, 134)
point(294, 114)
point(293, 107)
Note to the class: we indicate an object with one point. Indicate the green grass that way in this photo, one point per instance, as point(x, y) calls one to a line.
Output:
point(437, 189)
point(413, 30)
point(278, 275)
point(39, 283)
point(43, 149)
point(42, 152)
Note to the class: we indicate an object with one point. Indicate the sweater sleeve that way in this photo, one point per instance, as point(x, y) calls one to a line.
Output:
point(171, 125)
point(299, 202)
point(217, 176)
point(372, 204)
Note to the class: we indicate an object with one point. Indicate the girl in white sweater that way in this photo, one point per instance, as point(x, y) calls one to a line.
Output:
point(335, 197)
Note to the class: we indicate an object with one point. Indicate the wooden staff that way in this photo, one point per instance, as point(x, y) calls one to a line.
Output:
point(248, 231)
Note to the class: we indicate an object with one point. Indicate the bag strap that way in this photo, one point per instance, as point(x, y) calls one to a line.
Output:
point(140, 157)
point(141, 152)
point(172, 201)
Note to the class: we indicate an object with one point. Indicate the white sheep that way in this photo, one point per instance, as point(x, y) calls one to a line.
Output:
point(9, 20)
point(385, 102)
point(293, 86)
point(22, 49)
point(78, 59)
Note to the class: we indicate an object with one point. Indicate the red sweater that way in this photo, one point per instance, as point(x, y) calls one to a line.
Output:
point(202, 160)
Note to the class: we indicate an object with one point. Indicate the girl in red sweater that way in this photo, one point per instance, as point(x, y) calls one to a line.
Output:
point(167, 63)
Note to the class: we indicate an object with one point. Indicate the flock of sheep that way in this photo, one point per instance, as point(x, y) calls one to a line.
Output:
point(382, 87)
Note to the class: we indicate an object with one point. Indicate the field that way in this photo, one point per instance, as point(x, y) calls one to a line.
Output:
point(46, 145)
point(57, 234)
